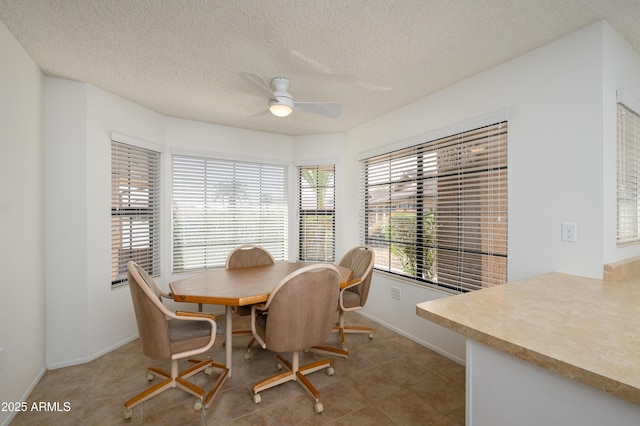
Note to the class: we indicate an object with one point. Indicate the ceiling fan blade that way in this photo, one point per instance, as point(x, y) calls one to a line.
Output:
point(260, 114)
point(258, 81)
point(329, 109)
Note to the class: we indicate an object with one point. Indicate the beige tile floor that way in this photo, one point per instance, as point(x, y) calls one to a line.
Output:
point(389, 380)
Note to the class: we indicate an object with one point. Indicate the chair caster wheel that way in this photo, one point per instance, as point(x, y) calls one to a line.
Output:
point(257, 398)
point(317, 407)
point(247, 355)
point(208, 371)
point(127, 414)
point(150, 376)
point(197, 405)
point(279, 366)
point(370, 335)
point(330, 371)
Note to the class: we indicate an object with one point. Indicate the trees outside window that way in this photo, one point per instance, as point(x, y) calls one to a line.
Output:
point(437, 212)
point(316, 212)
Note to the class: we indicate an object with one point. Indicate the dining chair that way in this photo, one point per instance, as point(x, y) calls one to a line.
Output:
point(165, 335)
point(299, 313)
point(247, 255)
point(353, 296)
point(244, 256)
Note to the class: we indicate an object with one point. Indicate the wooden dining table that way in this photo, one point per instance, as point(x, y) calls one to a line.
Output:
point(238, 287)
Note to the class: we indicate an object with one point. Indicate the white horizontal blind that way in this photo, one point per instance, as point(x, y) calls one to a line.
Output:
point(219, 204)
point(437, 212)
point(628, 175)
point(316, 213)
point(135, 210)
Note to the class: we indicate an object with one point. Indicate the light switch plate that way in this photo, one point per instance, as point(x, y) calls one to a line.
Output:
point(395, 293)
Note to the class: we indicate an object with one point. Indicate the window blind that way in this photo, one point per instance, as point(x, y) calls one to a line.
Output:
point(135, 210)
point(316, 213)
point(437, 212)
point(628, 176)
point(219, 204)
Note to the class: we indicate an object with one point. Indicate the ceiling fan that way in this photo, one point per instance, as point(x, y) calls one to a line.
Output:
point(281, 103)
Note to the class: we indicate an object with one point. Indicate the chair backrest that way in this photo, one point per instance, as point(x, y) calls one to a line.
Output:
point(248, 255)
point(149, 281)
point(301, 308)
point(150, 313)
point(360, 260)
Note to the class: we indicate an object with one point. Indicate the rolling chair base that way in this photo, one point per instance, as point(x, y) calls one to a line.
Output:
point(175, 379)
point(296, 373)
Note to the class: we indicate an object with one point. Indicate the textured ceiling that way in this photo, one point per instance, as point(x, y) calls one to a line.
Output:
point(189, 58)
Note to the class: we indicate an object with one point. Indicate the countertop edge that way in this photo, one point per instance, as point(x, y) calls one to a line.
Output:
point(570, 371)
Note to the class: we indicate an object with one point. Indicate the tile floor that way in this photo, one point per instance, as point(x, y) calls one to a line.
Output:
point(389, 380)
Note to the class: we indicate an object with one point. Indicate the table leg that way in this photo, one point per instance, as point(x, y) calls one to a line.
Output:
point(228, 329)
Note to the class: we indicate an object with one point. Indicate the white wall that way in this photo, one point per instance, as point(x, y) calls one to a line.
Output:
point(22, 330)
point(65, 220)
point(553, 97)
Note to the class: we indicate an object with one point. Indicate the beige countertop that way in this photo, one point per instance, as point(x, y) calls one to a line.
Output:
point(585, 329)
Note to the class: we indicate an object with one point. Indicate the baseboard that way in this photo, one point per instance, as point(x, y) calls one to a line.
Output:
point(84, 360)
point(424, 343)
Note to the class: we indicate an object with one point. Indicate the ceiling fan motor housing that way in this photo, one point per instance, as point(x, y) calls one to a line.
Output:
point(281, 93)
point(280, 86)
point(281, 100)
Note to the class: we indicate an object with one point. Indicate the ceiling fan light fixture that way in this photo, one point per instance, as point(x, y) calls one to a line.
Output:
point(280, 107)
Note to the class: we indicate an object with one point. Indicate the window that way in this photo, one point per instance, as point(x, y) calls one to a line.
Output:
point(316, 210)
point(437, 212)
point(628, 175)
point(220, 204)
point(135, 210)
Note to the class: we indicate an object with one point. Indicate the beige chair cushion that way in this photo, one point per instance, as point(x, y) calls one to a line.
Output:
point(301, 312)
point(351, 299)
point(360, 261)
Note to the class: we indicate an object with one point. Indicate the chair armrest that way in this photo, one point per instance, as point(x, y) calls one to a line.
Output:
point(194, 315)
point(257, 310)
point(351, 283)
point(165, 295)
point(259, 306)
